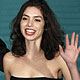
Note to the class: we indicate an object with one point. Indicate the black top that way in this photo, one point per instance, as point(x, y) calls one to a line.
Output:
point(3, 51)
point(36, 78)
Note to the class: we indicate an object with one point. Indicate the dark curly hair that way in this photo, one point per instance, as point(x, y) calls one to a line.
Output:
point(52, 35)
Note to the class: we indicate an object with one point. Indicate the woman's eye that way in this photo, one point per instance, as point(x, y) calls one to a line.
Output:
point(25, 18)
point(38, 20)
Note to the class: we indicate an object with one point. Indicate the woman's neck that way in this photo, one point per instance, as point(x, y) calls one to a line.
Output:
point(33, 48)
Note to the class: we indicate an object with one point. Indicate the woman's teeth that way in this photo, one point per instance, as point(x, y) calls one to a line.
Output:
point(30, 31)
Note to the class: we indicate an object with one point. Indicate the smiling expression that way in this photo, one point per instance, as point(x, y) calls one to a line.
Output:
point(32, 23)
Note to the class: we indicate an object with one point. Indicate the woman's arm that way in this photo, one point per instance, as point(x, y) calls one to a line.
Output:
point(7, 65)
point(70, 55)
point(64, 68)
point(74, 72)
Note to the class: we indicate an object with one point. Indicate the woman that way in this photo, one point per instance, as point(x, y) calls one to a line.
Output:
point(71, 55)
point(35, 36)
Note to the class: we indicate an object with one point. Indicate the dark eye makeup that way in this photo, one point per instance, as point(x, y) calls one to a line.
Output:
point(38, 20)
point(24, 18)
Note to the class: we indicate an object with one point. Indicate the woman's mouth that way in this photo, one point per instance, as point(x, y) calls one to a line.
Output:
point(29, 31)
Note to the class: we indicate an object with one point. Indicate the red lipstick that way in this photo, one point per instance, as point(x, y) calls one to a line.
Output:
point(29, 31)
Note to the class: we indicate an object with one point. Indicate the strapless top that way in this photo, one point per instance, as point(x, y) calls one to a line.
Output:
point(35, 78)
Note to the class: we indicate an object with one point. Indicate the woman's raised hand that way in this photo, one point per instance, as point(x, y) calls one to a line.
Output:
point(71, 52)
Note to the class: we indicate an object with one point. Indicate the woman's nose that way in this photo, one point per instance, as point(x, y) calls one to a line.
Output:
point(30, 23)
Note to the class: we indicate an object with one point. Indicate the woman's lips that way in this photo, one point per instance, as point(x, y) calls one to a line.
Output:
point(29, 31)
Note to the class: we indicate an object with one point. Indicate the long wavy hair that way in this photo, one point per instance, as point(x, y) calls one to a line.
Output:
point(52, 36)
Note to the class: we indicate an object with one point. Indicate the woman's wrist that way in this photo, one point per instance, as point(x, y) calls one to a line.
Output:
point(74, 71)
point(72, 65)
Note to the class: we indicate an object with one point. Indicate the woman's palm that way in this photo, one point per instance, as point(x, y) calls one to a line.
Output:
point(71, 52)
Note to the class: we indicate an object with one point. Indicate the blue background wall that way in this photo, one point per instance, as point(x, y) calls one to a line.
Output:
point(67, 13)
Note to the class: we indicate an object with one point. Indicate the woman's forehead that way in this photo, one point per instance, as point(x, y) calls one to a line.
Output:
point(33, 11)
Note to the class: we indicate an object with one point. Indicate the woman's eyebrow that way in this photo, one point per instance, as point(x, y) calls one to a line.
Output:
point(25, 15)
point(38, 17)
point(33, 16)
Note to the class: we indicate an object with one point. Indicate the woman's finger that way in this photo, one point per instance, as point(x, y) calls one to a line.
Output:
point(61, 49)
point(79, 49)
point(77, 54)
point(67, 41)
point(72, 39)
point(76, 41)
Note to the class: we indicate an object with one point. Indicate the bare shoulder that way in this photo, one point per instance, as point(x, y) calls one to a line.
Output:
point(8, 57)
point(8, 60)
point(55, 63)
point(58, 58)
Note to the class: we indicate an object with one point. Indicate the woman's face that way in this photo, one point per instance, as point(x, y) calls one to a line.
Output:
point(32, 23)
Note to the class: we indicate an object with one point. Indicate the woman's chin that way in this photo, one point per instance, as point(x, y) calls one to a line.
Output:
point(30, 39)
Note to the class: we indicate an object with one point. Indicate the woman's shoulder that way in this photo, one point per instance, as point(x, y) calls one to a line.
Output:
point(8, 62)
point(61, 63)
point(58, 60)
point(55, 61)
point(8, 58)
point(8, 55)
